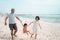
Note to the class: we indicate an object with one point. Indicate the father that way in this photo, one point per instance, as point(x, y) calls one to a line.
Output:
point(12, 23)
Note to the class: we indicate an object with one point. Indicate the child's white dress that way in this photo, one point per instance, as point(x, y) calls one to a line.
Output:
point(35, 27)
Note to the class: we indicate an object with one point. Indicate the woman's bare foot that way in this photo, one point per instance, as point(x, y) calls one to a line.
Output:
point(35, 38)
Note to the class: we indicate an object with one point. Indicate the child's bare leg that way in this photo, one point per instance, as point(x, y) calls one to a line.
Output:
point(35, 36)
point(28, 32)
point(32, 35)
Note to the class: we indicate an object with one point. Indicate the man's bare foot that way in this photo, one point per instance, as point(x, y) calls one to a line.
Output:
point(15, 35)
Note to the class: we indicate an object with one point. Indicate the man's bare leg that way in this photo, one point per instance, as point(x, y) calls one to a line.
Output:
point(12, 33)
point(15, 33)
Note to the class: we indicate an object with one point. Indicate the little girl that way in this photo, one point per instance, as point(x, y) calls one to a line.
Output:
point(35, 25)
point(25, 29)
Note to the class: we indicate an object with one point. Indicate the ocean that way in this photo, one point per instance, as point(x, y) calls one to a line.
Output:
point(55, 18)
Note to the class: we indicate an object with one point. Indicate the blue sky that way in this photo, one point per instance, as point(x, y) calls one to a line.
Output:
point(30, 6)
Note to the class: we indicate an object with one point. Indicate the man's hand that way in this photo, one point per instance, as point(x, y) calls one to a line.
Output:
point(20, 21)
point(5, 21)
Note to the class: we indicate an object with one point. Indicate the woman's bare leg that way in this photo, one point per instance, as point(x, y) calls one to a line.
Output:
point(35, 36)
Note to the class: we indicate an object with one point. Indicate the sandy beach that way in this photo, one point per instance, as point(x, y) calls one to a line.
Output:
point(49, 31)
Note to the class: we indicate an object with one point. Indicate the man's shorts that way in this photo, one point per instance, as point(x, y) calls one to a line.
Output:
point(12, 26)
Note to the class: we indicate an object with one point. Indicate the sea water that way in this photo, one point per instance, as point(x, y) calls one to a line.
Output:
point(43, 17)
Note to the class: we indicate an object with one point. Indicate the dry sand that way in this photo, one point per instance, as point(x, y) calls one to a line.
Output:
point(49, 31)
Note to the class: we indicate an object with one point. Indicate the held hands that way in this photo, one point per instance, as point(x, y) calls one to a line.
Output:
point(20, 20)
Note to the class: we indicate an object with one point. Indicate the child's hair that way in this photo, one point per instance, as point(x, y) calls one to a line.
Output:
point(37, 17)
point(25, 24)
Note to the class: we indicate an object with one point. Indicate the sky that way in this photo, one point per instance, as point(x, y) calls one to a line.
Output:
point(30, 6)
